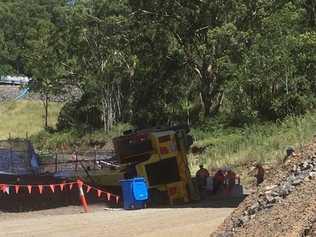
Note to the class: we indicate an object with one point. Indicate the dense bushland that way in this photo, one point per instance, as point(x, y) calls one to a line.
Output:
point(164, 62)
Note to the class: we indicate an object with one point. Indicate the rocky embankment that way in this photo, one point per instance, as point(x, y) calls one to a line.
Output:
point(284, 205)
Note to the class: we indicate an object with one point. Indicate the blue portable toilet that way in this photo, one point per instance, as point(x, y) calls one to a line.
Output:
point(135, 193)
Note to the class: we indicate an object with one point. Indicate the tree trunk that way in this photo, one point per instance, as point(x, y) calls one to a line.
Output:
point(104, 119)
point(310, 7)
point(210, 92)
point(108, 110)
point(45, 101)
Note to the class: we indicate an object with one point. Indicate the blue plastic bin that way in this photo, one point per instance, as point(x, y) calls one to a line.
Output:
point(135, 193)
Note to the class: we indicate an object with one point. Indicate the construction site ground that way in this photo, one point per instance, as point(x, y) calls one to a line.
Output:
point(284, 205)
point(190, 220)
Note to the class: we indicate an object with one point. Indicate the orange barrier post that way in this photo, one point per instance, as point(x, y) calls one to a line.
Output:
point(82, 197)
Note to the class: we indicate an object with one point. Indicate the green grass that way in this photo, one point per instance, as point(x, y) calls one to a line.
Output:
point(25, 117)
point(235, 147)
point(68, 140)
point(265, 143)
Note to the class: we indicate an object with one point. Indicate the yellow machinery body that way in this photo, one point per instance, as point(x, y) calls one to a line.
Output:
point(163, 163)
point(167, 150)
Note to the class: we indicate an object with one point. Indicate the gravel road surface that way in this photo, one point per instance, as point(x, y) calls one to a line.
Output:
point(156, 222)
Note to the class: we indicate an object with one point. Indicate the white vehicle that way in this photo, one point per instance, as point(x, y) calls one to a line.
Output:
point(14, 80)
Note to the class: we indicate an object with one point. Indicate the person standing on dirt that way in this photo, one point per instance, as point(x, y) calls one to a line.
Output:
point(230, 180)
point(290, 152)
point(219, 180)
point(260, 174)
point(201, 175)
point(130, 172)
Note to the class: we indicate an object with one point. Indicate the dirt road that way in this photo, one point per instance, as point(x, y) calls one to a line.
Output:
point(165, 222)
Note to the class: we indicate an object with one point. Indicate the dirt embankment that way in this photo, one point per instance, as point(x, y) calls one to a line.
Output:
point(284, 205)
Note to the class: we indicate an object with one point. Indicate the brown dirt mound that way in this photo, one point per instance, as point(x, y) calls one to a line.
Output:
point(284, 205)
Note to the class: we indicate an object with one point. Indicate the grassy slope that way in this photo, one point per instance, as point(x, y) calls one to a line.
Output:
point(68, 140)
point(225, 146)
point(19, 118)
point(265, 143)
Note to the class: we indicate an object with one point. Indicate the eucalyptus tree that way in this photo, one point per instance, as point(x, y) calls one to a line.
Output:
point(276, 77)
point(100, 59)
point(31, 44)
point(205, 36)
point(12, 33)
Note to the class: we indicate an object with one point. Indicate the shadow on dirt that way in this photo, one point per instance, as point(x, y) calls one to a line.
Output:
point(24, 202)
point(212, 202)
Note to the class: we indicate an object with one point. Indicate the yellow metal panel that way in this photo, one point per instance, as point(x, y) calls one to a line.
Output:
point(173, 151)
point(177, 191)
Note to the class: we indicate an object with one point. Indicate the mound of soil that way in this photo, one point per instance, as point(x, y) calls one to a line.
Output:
point(284, 205)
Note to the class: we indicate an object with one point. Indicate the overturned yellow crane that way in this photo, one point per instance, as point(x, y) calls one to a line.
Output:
point(160, 156)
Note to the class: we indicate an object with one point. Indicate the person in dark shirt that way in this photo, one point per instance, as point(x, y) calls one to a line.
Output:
point(290, 152)
point(260, 174)
point(219, 179)
point(201, 175)
point(230, 180)
point(130, 172)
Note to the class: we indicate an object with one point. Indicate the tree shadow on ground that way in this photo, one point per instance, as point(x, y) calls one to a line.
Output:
point(210, 202)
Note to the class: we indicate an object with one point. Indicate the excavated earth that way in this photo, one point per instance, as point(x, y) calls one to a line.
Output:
point(283, 205)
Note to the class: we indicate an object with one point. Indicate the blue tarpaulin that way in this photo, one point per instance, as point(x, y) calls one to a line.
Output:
point(18, 157)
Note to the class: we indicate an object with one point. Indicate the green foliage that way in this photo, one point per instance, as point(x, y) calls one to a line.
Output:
point(69, 140)
point(266, 143)
point(156, 62)
point(205, 40)
point(21, 118)
point(270, 83)
point(100, 60)
point(79, 114)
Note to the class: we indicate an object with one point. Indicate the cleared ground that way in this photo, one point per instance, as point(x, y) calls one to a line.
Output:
point(293, 210)
point(182, 221)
